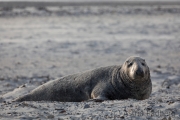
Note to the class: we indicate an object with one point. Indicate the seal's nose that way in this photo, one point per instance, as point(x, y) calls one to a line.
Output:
point(139, 72)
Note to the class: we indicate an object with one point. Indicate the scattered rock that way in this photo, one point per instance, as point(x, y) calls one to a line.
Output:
point(149, 108)
point(164, 118)
point(157, 71)
point(158, 66)
point(131, 106)
point(22, 86)
point(60, 119)
point(1, 99)
point(59, 109)
point(122, 116)
point(63, 111)
point(50, 116)
point(170, 81)
point(159, 100)
point(1, 79)
point(170, 102)
point(86, 106)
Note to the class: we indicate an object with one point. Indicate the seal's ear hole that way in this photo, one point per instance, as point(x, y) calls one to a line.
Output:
point(144, 60)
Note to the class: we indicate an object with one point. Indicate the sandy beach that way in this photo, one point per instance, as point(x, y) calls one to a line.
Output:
point(38, 44)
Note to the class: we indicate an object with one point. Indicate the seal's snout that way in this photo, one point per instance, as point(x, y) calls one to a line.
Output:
point(139, 72)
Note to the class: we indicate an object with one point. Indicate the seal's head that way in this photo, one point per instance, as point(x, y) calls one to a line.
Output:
point(136, 69)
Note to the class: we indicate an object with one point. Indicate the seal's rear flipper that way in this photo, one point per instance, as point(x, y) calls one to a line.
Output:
point(23, 98)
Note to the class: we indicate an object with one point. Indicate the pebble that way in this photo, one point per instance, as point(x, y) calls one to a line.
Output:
point(50, 116)
point(86, 106)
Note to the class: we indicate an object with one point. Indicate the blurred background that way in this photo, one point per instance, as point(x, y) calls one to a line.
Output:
point(59, 37)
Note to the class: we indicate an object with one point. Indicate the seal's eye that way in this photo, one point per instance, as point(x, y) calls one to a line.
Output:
point(130, 64)
point(143, 64)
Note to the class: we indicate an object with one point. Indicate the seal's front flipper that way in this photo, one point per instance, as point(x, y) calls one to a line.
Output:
point(98, 99)
point(95, 100)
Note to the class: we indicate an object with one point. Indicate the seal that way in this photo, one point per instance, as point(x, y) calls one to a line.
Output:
point(130, 80)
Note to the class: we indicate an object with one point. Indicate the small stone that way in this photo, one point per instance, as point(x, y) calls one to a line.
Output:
point(160, 100)
point(50, 116)
point(169, 118)
point(22, 86)
point(164, 118)
point(63, 111)
point(86, 106)
point(159, 66)
point(1, 79)
point(159, 105)
point(157, 71)
point(60, 119)
point(149, 108)
point(122, 116)
point(170, 102)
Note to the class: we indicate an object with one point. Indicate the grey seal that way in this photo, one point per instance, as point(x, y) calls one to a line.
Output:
point(130, 80)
